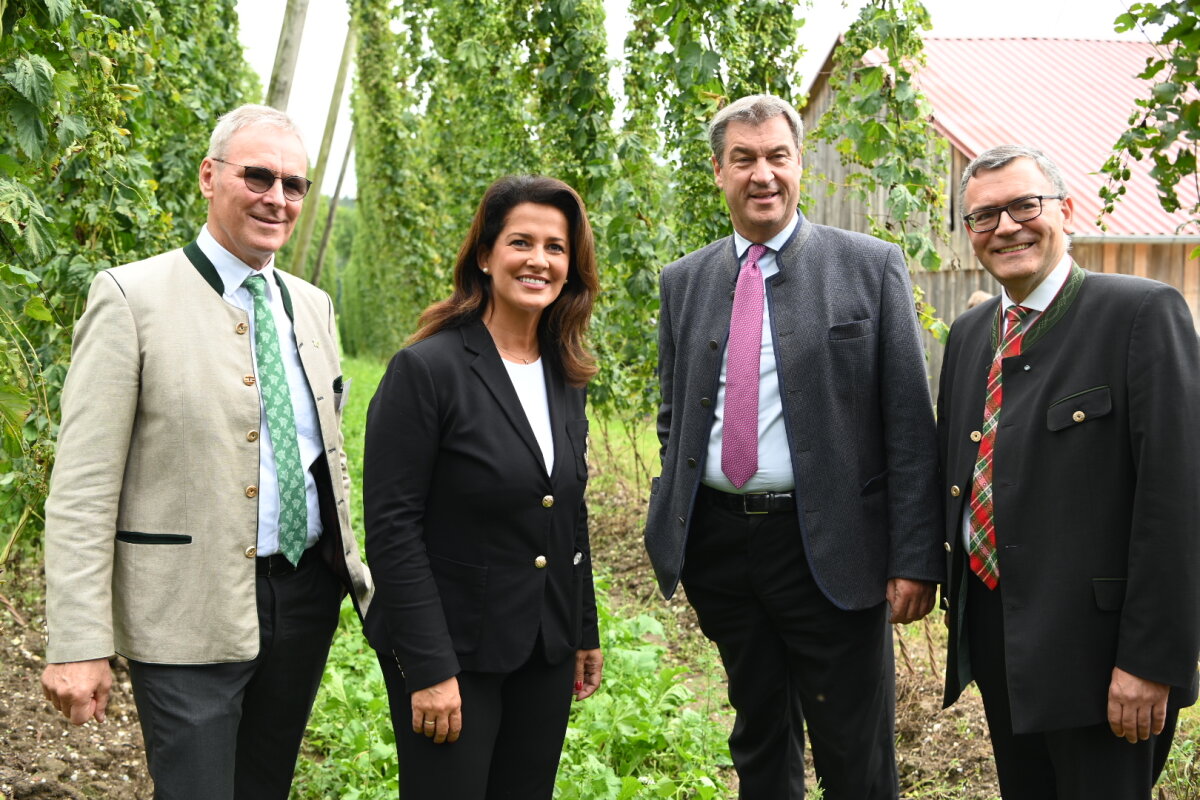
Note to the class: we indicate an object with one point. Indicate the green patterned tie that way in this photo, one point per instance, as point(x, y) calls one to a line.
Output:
point(281, 421)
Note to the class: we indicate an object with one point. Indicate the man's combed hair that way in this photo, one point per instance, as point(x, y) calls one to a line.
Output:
point(248, 116)
point(754, 109)
point(1004, 155)
point(564, 322)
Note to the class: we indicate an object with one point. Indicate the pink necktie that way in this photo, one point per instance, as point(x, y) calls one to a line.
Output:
point(739, 436)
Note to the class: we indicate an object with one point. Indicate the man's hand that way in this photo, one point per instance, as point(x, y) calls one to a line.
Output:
point(909, 600)
point(79, 689)
point(437, 711)
point(1136, 707)
point(588, 666)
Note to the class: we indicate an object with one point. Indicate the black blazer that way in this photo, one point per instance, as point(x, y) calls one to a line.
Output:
point(1096, 484)
point(473, 546)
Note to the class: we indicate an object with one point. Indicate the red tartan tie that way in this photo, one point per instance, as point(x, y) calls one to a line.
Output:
point(981, 543)
point(739, 434)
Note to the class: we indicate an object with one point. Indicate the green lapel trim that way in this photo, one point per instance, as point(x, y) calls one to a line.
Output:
point(209, 273)
point(285, 294)
point(1057, 310)
point(204, 267)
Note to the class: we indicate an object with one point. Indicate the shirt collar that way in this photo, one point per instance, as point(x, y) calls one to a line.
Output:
point(1045, 292)
point(773, 244)
point(231, 269)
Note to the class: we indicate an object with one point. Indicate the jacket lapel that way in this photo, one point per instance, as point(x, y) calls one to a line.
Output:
point(490, 369)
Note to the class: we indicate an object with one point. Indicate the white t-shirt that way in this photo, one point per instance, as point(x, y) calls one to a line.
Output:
point(530, 382)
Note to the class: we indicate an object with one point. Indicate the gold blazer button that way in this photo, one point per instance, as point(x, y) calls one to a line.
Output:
point(540, 562)
point(251, 551)
point(248, 380)
point(947, 546)
point(976, 436)
point(1079, 416)
point(548, 501)
point(241, 328)
point(955, 491)
point(251, 491)
point(252, 436)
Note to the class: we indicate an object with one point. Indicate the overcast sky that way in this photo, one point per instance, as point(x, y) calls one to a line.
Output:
point(326, 21)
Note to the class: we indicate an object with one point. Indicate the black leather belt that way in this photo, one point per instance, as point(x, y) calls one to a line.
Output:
point(751, 502)
point(269, 566)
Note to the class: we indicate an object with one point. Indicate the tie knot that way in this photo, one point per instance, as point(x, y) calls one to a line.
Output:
point(1017, 313)
point(754, 254)
point(256, 284)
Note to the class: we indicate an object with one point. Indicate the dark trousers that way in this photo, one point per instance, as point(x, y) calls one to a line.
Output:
point(513, 729)
point(1070, 764)
point(792, 657)
point(232, 731)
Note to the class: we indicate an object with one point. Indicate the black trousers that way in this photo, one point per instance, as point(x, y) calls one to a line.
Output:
point(792, 658)
point(232, 731)
point(513, 729)
point(1070, 764)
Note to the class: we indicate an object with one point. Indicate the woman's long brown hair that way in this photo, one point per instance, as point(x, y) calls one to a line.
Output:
point(563, 324)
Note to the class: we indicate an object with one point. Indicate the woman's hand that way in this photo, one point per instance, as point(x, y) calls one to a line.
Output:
point(588, 666)
point(437, 711)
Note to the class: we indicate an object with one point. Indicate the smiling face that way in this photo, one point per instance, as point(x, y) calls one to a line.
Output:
point(253, 226)
point(1019, 254)
point(760, 175)
point(528, 263)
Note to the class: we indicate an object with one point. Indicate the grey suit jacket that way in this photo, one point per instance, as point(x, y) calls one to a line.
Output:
point(152, 518)
point(856, 403)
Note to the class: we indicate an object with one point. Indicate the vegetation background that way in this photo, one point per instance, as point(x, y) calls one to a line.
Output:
point(106, 107)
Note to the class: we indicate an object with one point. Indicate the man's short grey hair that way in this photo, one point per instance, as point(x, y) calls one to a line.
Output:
point(248, 116)
point(1004, 155)
point(754, 109)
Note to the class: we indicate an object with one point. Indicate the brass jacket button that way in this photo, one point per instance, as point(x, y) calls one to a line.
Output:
point(1079, 416)
point(947, 546)
point(251, 491)
point(548, 501)
point(252, 436)
point(251, 551)
point(248, 380)
point(976, 436)
point(955, 491)
point(241, 328)
point(540, 562)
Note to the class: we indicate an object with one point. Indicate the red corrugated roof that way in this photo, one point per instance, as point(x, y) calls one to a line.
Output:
point(1074, 109)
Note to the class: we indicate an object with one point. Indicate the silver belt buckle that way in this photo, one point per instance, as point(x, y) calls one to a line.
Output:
point(766, 502)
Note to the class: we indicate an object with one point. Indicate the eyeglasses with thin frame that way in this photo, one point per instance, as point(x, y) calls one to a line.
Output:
point(261, 179)
point(1022, 209)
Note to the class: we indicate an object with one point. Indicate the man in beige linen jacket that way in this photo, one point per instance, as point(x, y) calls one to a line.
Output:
point(163, 534)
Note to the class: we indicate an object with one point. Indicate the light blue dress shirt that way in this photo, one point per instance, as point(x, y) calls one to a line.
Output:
point(233, 271)
point(774, 460)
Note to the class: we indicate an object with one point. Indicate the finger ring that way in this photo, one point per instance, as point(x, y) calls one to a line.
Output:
point(429, 722)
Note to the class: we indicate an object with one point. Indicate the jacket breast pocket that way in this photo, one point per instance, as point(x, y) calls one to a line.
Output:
point(1078, 408)
point(851, 330)
point(577, 432)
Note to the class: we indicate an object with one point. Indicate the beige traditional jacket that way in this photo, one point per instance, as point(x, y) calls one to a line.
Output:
point(152, 518)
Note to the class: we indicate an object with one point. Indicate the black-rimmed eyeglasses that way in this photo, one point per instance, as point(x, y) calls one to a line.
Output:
point(261, 179)
point(1022, 209)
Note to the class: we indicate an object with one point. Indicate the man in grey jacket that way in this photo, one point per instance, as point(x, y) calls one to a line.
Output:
point(797, 500)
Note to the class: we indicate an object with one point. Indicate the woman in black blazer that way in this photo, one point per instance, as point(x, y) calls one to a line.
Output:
point(484, 615)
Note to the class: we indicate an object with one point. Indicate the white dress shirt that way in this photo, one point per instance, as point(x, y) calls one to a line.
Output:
point(233, 272)
point(774, 460)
